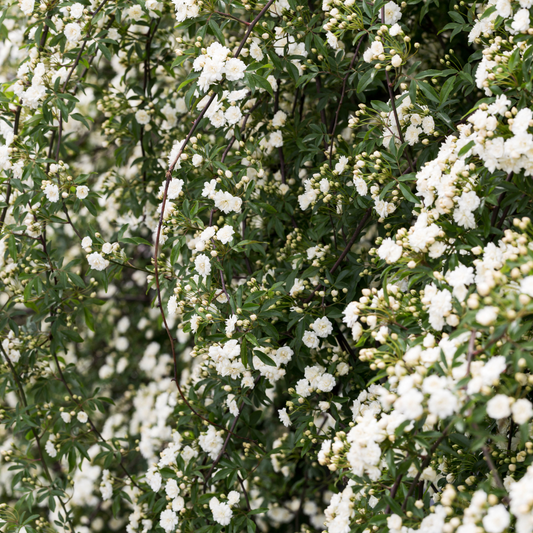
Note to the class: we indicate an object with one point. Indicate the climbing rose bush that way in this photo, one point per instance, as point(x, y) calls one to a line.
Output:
point(266, 266)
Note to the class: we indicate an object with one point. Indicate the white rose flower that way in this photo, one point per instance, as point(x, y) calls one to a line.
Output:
point(225, 234)
point(394, 522)
point(389, 251)
point(322, 327)
point(487, 315)
point(332, 40)
point(72, 32)
point(135, 12)
point(234, 69)
point(392, 12)
point(202, 265)
point(222, 512)
point(174, 188)
point(233, 114)
point(325, 382)
point(96, 261)
point(233, 498)
point(284, 417)
point(172, 489)
point(526, 286)
point(522, 411)
point(255, 50)
point(168, 519)
point(82, 191)
point(27, 7)
point(51, 191)
point(310, 339)
point(497, 519)
point(76, 10)
point(499, 407)
point(276, 139)
point(142, 117)
point(297, 287)
point(395, 30)
point(520, 21)
point(396, 60)
point(279, 119)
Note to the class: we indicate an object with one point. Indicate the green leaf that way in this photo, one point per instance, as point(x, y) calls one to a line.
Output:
point(88, 318)
point(408, 195)
point(244, 352)
point(259, 81)
point(466, 148)
point(216, 31)
point(366, 80)
point(105, 50)
point(264, 358)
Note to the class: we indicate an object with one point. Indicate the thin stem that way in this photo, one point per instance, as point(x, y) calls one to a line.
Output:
point(393, 491)
point(8, 188)
point(495, 211)
point(224, 446)
point(228, 437)
point(345, 251)
point(392, 98)
point(231, 17)
point(492, 466)
point(322, 112)
point(356, 233)
point(471, 346)
point(35, 435)
point(343, 93)
point(425, 463)
point(160, 223)
point(91, 423)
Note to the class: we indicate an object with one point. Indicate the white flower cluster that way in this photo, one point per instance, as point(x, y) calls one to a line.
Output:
point(341, 510)
point(285, 44)
point(186, 9)
point(36, 92)
point(515, 21)
point(214, 64)
point(414, 121)
point(11, 346)
point(316, 379)
point(521, 502)
point(320, 329)
point(106, 485)
point(222, 512)
point(224, 200)
point(219, 113)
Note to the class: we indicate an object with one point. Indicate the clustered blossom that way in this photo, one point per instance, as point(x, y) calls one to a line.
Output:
point(215, 64)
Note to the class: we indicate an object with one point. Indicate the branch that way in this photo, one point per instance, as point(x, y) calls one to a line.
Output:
point(492, 466)
point(494, 216)
point(425, 463)
point(343, 93)
point(36, 436)
point(91, 423)
point(8, 189)
point(231, 17)
point(160, 223)
point(345, 251)
point(352, 239)
point(471, 346)
point(393, 104)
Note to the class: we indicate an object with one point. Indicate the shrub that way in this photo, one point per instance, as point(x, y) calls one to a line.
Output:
point(266, 266)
